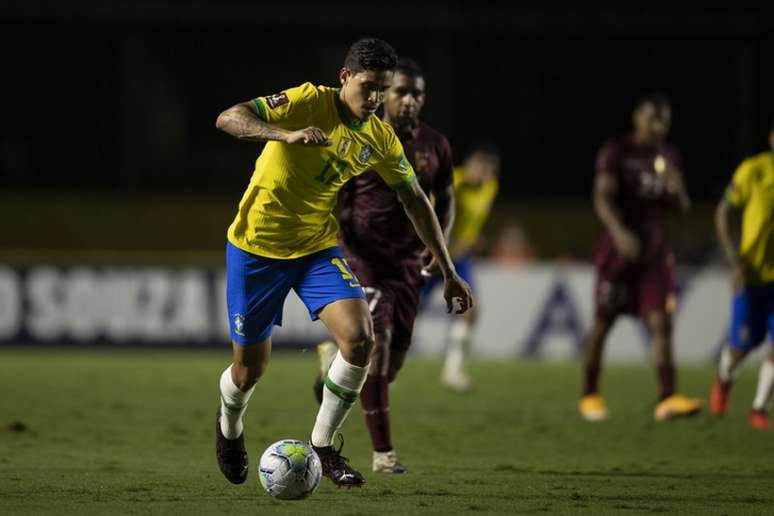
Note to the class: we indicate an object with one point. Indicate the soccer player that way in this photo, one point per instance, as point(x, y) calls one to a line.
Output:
point(475, 188)
point(752, 279)
point(385, 253)
point(638, 181)
point(284, 237)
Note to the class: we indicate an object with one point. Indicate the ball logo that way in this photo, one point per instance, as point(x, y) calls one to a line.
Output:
point(239, 324)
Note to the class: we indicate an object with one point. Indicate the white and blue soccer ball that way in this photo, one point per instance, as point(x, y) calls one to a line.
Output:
point(290, 470)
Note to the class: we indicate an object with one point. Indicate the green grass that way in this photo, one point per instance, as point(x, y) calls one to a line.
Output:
point(132, 433)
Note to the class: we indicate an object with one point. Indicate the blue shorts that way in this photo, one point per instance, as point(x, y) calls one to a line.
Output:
point(464, 267)
point(752, 315)
point(256, 288)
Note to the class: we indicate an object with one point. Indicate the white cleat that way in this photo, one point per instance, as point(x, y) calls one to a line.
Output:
point(387, 462)
point(457, 382)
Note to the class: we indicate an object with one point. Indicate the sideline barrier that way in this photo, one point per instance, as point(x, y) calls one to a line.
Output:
point(539, 311)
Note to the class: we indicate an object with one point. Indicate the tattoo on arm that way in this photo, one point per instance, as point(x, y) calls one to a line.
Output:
point(243, 123)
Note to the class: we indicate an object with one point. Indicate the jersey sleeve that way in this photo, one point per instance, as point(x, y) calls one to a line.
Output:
point(738, 191)
point(291, 108)
point(394, 168)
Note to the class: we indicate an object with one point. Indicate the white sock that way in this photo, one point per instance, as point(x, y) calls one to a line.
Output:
point(233, 403)
point(457, 349)
point(342, 387)
point(765, 385)
point(726, 366)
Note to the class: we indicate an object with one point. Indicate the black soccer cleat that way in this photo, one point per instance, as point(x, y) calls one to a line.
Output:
point(336, 467)
point(318, 389)
point(231, 453)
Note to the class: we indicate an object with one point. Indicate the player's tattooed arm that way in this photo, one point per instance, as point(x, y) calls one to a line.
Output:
point(605, 189)
point(420, 213)
point(723, 230)
point(242, 122)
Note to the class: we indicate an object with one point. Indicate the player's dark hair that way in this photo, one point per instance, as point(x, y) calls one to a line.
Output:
point(657, 99)
point(409, 68)
point(370, 54)
point(771, 127)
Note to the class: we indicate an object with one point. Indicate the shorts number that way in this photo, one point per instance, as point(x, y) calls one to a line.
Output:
point(344, 268)
point(373, 294)
point(334, 168)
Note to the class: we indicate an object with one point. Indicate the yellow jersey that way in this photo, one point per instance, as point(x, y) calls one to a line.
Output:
point(752, 189)
point(287, 210)
point(473, 204)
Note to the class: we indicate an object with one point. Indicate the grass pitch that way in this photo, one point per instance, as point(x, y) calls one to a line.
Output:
point(89, 432)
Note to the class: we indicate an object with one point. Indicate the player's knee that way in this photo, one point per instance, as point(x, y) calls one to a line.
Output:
point(246, 375)
point(660, 325)
point(356, 345)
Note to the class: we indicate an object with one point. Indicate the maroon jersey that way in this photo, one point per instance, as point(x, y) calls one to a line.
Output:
point(642, 200)
point(373, 223)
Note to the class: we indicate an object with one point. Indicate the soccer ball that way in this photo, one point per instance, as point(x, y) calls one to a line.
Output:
point(290, 470)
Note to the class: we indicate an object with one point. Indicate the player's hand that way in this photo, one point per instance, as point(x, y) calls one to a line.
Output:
point(310, 136)
point(737, 277)
point(457, 289)
point(627, 244)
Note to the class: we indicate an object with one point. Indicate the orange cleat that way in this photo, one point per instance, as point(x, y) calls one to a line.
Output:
point(677, 405)
point(720, 396)
point(759, 420)
point(593, 408)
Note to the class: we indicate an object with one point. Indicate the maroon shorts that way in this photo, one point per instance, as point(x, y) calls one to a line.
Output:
point(634, 288)
point(392, 294)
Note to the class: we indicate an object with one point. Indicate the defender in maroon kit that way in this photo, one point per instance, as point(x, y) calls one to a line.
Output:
point(385, 253)
point(638, 182)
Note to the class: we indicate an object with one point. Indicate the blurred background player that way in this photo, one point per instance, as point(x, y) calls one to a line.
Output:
point(385, 253)
point(475, 188)
point(638, 182)
point(752, 279)
point(284, 237)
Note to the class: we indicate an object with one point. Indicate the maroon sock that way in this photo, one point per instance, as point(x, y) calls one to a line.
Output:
point(376, 406)
point(666, 380)
point(591, 378)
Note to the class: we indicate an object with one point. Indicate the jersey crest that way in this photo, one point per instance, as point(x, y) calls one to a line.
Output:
point(365, 153)
point(344, 145)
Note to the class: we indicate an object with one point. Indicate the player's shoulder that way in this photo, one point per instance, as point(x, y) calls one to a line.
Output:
point(432, 135)
point(759, 160)
point(314, 91)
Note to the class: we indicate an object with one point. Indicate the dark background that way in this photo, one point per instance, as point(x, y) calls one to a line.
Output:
point(122, 96)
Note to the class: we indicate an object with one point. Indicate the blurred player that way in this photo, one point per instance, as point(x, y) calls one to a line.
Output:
point(385, 253)
point(752, 279)
point(638, 181)
point(475, 187)
point(284, 237)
